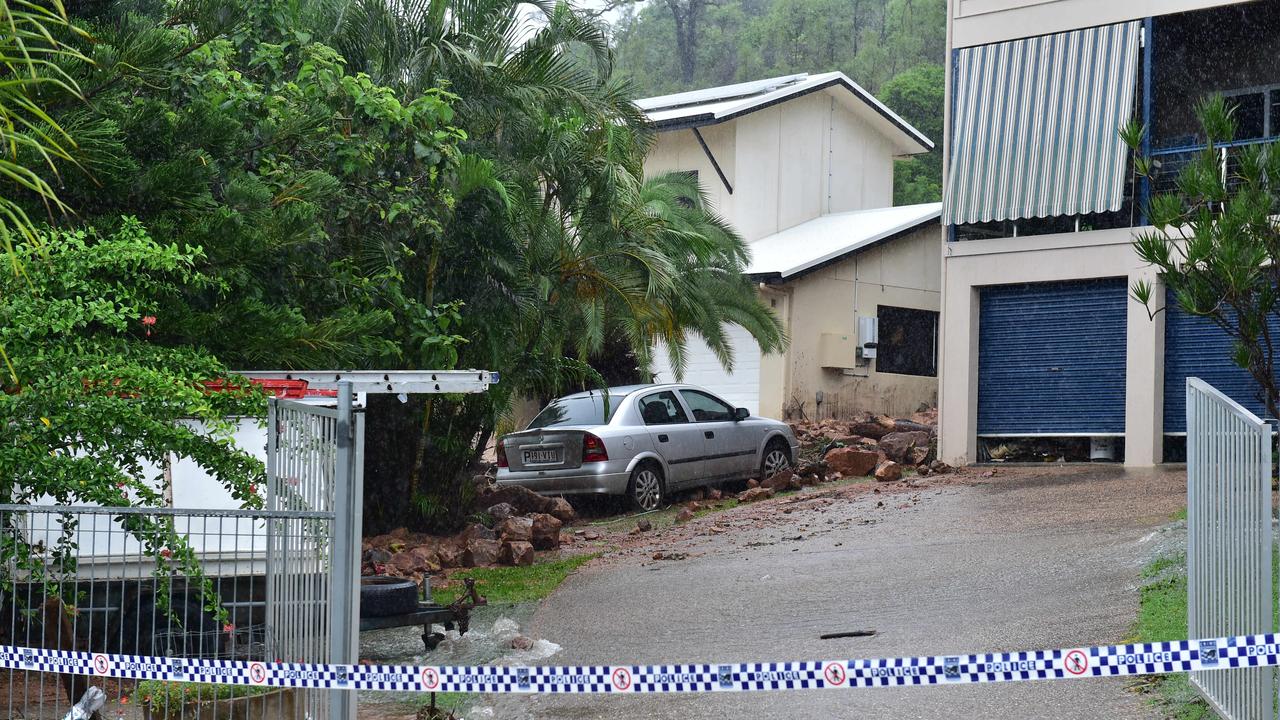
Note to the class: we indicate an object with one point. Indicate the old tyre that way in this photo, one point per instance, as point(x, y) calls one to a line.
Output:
point(645, 492)
point(384, 596)
point(777, 457)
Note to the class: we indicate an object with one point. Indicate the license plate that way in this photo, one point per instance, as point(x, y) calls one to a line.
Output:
point(543, 457)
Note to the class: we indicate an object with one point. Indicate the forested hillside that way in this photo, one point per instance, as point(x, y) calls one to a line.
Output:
point(894, 48)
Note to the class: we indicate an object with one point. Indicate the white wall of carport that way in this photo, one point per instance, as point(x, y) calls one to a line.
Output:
point(968, 266)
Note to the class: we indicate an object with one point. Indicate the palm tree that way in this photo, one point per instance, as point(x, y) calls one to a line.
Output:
point(560, 247)
point(33, 143)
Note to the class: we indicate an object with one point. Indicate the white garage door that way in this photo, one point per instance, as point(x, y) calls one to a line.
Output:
point(741, 388)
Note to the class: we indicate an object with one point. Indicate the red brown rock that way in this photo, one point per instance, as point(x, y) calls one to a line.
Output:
point(714, 494)
point(522, 499)
point(779, 481)
point(897, 446)
point(545, 532)
point(889, 471)
point(450, 556)
point(562, 510)
point(852, 463)
point(480, 553)
point(516, 553)
point(754, 494)
point(518, 529)
point(685, 515)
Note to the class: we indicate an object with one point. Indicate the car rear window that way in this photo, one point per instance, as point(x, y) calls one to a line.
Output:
point(576, 411)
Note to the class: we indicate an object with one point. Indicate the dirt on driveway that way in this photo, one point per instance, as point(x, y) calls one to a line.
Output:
point(982, 561)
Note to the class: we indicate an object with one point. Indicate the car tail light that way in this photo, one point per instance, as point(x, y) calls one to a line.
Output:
point(593, 449)
point(502, 453)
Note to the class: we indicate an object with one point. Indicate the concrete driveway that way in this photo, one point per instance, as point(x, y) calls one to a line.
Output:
point(1029, 558)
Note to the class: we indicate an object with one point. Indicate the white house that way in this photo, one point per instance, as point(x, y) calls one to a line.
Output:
point(802, 166)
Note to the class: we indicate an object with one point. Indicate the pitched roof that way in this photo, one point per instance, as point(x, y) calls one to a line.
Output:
point(808, 245)
point(709, 106)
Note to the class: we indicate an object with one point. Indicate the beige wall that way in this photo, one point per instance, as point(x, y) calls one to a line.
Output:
point(978, 22)
point(967, 266)
point(903, 273)
point(787, 164)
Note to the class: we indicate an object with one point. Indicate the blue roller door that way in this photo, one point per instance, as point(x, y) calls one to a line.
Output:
point(1195, 347)
point(1051, 358)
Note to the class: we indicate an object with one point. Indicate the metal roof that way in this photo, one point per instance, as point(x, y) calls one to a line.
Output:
point(808, 245)
point(709, 106)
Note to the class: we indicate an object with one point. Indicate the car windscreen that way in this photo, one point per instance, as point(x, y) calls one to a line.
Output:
point(583, 410)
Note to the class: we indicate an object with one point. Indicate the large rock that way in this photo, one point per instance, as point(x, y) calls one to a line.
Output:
point(889, 471)
point(451, 556)
point(754, 494)
point(501, 511)
point(421, 559)
point(476, 530)
point(850, 462)
point(516, 553)
point(480, 552)
point(524, 500)
point(910, 426)
point(685, 515)
point(918, 456)
point(872, 427)
point(517, 529)
point(898, 446)
point(546, 532)
point(562, 510)
point(779, 481)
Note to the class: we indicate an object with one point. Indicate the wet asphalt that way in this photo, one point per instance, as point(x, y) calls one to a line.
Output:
point(1031, 558)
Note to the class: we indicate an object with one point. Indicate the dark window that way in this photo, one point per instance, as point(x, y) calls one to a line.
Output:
point(580, 410)
point(908, 343)
point(707, 408)
point(1251, 114)
point(662, 409)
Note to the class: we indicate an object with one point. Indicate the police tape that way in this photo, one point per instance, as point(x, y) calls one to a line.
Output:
point(1066, 664)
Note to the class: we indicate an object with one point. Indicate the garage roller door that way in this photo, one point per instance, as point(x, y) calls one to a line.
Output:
point(740, 388)
point(1195, 347)
point(1051, 358)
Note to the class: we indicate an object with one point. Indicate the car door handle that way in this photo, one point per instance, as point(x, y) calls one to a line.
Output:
point(708, 434)
point(662, 438)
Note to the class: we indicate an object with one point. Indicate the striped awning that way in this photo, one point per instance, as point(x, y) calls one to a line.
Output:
point(1036, 125)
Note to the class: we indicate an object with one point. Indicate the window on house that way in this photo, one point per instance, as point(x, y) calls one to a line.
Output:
point(908, 342)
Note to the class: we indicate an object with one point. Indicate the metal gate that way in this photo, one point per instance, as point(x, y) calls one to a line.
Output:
point(314, 473)
point(1229, 542)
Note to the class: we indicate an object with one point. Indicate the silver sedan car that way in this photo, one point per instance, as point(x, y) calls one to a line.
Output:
point(642, 441)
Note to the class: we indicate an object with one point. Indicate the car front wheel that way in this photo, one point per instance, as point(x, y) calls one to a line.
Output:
point(776, 458)
point(645, 489)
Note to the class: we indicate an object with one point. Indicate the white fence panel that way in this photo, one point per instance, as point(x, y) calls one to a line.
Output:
point(1229, 543)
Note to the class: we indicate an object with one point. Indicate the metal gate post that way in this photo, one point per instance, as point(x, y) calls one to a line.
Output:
point(344, 568)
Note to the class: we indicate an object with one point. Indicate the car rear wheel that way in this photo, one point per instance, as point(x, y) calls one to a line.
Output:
point(777, 457)
point(645, 491)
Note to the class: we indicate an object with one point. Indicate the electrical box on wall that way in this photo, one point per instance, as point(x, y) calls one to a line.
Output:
point(868, 336)
point(836, 350)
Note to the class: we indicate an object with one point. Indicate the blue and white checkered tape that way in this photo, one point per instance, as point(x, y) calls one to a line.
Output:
point(1064, 664)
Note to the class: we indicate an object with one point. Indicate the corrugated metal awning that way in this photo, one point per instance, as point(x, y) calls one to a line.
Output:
point(1036, 125)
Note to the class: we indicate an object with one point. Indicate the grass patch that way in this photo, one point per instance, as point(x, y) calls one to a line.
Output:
point(1162, 615)
point(447, 704)
point(507, 585)
point(1180, 515)
point(728, 504)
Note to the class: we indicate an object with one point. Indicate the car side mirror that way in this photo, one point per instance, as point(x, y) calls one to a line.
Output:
point(741, 414)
